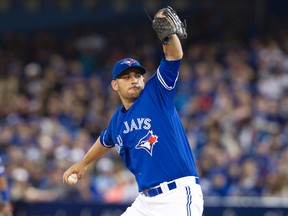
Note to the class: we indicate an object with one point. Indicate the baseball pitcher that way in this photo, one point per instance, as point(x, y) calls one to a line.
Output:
point(147, 131)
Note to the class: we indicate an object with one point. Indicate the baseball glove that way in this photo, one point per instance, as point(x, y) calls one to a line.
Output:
point(166, 22)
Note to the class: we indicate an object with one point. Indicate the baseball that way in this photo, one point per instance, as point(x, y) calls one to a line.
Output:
point(72, 179)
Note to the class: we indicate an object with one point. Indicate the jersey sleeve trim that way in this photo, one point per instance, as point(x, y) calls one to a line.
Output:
point(160, 78)
point(102, 141)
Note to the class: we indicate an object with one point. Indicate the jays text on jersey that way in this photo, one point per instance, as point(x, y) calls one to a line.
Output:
point(149, 135)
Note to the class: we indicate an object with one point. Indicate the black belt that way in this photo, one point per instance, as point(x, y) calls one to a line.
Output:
point(157, 190)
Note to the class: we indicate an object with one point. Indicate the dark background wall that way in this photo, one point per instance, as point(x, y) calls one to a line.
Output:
point(204, 18)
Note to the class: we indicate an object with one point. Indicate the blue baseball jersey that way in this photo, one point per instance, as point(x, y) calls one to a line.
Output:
point(149, 136)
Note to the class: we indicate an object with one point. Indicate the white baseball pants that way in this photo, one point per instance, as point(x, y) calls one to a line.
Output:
point(185, 200)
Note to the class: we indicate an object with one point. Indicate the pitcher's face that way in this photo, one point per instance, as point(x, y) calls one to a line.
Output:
point(129, 85)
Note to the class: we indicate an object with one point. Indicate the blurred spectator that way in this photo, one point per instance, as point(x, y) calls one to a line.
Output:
point(6, 205)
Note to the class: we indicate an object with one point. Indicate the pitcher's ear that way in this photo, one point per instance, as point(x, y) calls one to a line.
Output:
point(114, 85)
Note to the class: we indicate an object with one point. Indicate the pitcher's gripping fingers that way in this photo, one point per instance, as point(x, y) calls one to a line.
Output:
point(79, 169)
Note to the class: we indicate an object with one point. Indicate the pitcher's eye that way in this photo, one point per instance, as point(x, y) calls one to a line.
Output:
point(137, 76)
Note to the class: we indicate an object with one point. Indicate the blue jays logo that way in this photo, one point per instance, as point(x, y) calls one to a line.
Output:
point(147, 142)
point(128, 61)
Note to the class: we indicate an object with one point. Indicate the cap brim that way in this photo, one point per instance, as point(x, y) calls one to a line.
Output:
point(140, 68)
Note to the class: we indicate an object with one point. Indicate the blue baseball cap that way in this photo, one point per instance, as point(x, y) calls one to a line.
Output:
point(124, 64)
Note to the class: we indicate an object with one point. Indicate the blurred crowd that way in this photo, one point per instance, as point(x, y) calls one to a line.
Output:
point(55, 98)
